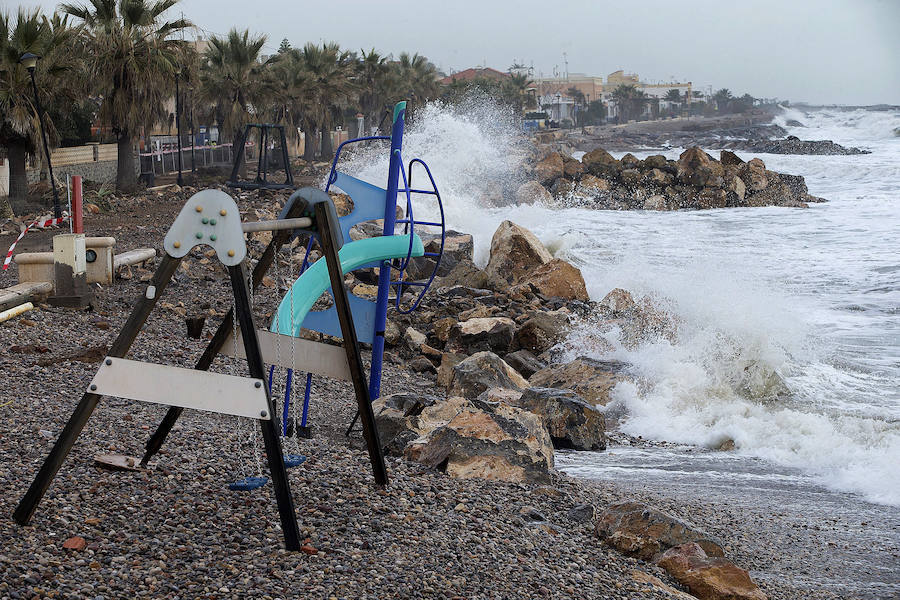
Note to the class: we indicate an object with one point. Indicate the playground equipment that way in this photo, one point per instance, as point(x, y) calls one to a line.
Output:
point(369, 202)
point(211, 217)
point(261, 182)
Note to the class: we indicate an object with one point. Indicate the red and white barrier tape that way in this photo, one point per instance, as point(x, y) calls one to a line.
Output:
point(41, 224)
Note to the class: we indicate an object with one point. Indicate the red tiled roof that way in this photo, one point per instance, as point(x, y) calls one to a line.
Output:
point(469, 74)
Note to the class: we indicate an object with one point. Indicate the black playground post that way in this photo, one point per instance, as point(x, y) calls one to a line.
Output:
point(274, 455)
point(330, 249)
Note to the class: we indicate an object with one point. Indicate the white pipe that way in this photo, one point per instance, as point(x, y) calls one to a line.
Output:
point(276, 225)
point(15, 311)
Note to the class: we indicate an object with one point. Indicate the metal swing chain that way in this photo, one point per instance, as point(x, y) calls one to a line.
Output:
point(255, 431)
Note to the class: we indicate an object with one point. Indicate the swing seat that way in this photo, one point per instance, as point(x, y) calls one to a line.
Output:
point(247, 484)
point(314, 281)
point(293, 460)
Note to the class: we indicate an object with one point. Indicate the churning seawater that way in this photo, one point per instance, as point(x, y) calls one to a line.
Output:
point(810, 297)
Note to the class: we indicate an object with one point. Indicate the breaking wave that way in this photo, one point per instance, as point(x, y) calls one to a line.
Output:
point(788, 333)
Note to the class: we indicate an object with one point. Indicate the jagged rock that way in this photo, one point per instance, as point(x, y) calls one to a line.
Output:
point(638, 530)
point(465, 273)
point(402, 418)
point(458, 247)
point(697, 168)
point(441, 328)
point(709, 578)
point(571, 167)
point(735, 185)
point(489, 399)
point(753, 174)
point(420, 364)
point(445, 371)
point(711, 198)
point(413, 339)
point(656, 161)
point(581, 513)
point(524, 362)
point(658, 177)
point(655, 202)
point(599, 162)
point(630, 177)
point(507, 444)
point(483, 371)
point(728, 158)
point(630, 161)
point(484, 333)
point(533, 192)
point(542, 331)
point(562, 189)
point(556, 279)
point(571, 422)
point(618, 301)
point(515, 252)
point(550, 169)
point(590, 186)
point(591, 379)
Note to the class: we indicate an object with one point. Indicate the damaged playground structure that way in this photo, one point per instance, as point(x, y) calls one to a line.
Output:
point(212, 218)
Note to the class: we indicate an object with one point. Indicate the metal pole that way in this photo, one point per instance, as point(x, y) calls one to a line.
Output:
point(178, 128)
point(193, 137)
point(57, 211)
point(384, 271)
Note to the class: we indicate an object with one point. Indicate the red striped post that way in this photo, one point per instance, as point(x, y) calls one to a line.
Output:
point(77, 206)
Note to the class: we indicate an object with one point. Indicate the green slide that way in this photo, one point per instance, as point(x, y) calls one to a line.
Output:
point(314, 281)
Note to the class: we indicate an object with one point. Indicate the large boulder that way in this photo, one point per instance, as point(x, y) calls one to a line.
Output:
point(543, 330)
point(590, 187)
point(709, 578)
point(729, 158)
point(753, 174)
point(638, 530)
point(506, 444)
point(591, 379)
point(515, 252)
point(571, 422)
point(557, 279)
point(464, 273)
point(524, 362)
point(532, 192)
point(571, 167)
point(550, 169)
point(404, 417)
point(494, 334)
point(481, 372)
point(697, 168)
point(601, 163)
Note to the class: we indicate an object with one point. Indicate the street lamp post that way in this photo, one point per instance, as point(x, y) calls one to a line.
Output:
point(178, 126)
point(29, 61)
point(193, 135)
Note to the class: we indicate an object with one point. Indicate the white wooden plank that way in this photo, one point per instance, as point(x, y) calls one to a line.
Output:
point(187, 388)
point(308, 356)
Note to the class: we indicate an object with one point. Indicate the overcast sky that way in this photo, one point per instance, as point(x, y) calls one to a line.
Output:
point(827, 51)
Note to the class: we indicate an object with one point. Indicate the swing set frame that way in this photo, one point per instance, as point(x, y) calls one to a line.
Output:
point(323, 219)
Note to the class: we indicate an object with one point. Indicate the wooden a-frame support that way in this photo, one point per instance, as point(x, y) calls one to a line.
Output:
point(138, 317)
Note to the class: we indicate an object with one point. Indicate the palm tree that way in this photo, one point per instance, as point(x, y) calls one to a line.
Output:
point(723, 99)
point(330, 74)
point(630, 100)
point(375, 78)
point(416, 80)
point(233, 81)
point(19, 125)
point(131, 60)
